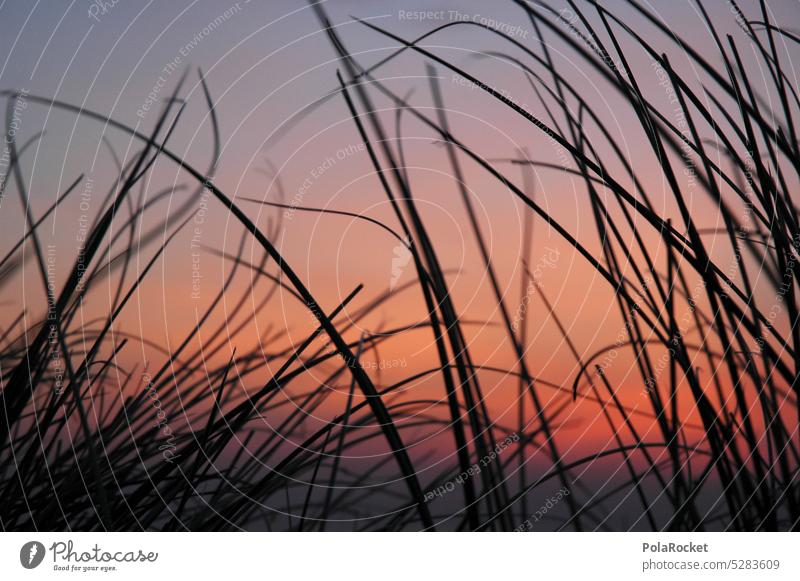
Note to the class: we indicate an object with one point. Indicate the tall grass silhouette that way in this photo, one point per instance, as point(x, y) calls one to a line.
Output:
point(710, 343)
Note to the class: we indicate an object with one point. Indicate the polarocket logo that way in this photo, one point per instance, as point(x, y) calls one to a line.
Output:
point(31, 554)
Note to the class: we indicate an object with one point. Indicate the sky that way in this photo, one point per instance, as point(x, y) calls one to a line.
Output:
point(264, 64)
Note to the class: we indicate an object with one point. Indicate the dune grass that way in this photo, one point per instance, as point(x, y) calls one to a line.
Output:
point(80, 449)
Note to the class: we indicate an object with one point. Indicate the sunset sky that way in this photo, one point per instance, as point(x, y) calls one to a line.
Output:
point(265, 64)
